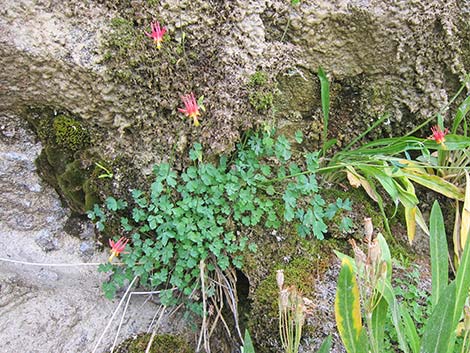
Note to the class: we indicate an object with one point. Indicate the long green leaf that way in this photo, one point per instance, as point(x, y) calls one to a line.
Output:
point(379, 316)
point(439, 252)
point(439, 329)
point(325, 346)
point(460, 115)
point(385, 288)
point(325, 103)
point(433, 182)
point(389, 146)
point(386, 181)
point(248, 344)
point(347, 308)
point(462, 283)
point(456, 142)
point(410, 329)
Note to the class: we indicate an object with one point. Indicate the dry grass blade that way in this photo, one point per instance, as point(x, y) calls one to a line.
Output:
point(114, 314)
point(154, 332)
point(203, 336)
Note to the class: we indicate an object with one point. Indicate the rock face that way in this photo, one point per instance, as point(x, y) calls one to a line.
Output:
point(49, 309)
point(91, 60)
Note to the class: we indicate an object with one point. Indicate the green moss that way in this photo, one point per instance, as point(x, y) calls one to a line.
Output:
point(298, 273)
point(261, 101)
point(259, 78)
point(303, 261)
point(123, 35)
point(70, 134)
point(71, 183)
point(65, 161)
point(161, 344)
point(261, 90)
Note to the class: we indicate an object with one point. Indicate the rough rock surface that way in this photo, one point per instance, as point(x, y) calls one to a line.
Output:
point(49, 309)
point(406, 57)
point(91, 58)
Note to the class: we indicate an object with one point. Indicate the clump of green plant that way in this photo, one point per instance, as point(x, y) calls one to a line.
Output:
point(122, 36)
point(195, 216)
point(367, 279)
point(293, 309)
point(259, 78)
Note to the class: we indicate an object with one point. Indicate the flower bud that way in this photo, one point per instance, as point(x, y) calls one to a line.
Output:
point(280, 279)
point(368, 229)
point(284, 299)
point(375, 252)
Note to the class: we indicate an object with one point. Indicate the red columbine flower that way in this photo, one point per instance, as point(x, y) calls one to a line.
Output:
point(438, 134)
point(191, 109)
point(117, 247)
point(157, 34)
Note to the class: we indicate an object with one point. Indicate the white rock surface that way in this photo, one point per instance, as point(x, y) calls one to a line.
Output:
point(49, 309)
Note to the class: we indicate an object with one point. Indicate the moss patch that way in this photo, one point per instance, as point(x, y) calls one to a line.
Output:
point(65, 161)
point(70, 134)
point(161, 344)
point(260, 90)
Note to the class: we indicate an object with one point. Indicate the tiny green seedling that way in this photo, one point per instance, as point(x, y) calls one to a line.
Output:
point(107, 173)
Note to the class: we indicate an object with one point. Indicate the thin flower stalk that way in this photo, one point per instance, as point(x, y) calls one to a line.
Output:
point(293, 309)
